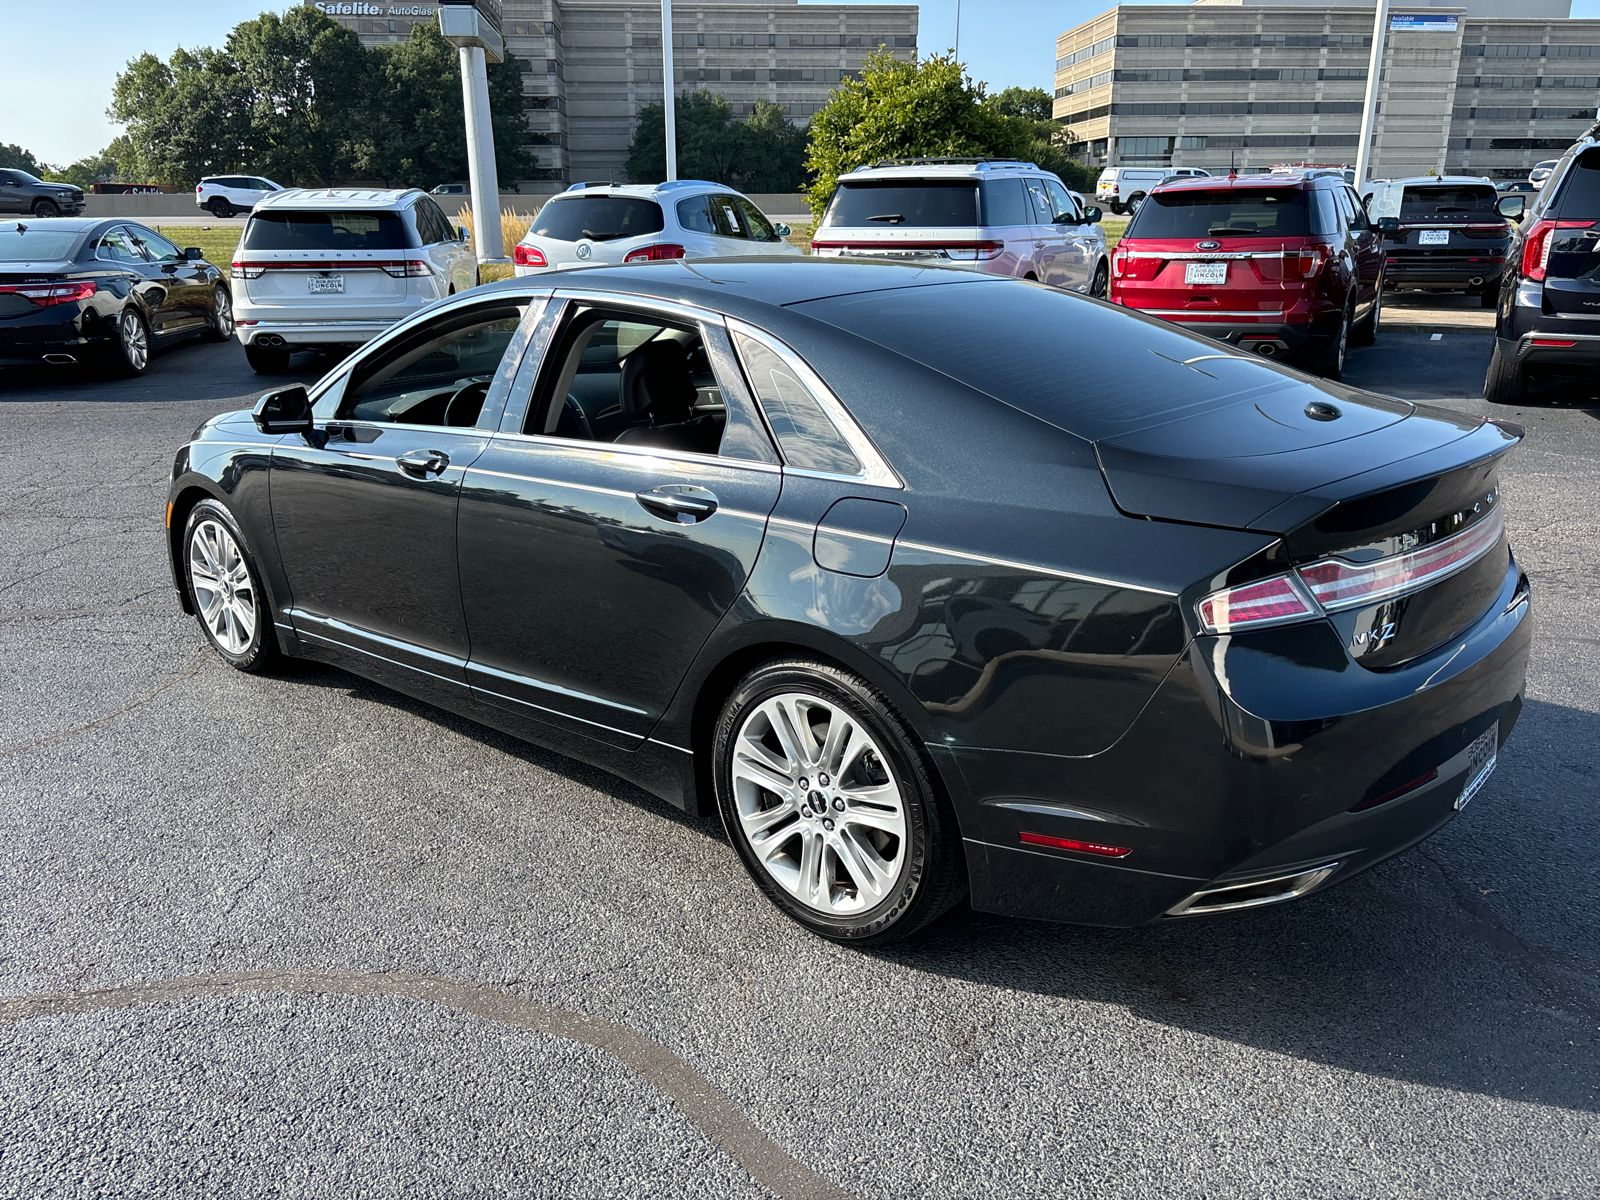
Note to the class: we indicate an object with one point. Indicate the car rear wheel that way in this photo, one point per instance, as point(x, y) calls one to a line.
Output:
point(225, 588)
point(221, 316)
point(833, 804)
point(1100, 289)
point(267, 360)
point(46, 208)
point(130, 353)
point(1365, 333)
point(1331, 363)
point(220, 207)
point(1489, 297)
point(1507, 380)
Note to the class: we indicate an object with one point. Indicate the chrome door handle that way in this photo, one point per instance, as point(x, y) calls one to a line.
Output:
point(1038, 245)
point(423, 463)
point(680, 503)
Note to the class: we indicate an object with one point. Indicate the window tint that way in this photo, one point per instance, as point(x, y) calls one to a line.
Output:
point(1350, 208)
point(155, 247)
point(730, 221)
point(1005, 203)
point(1327, 211)
point(808, 438)
point(447, 229)
point(1580, 190)
point(1456, 203)
point(439, 376)
point(756, 222)
point(925, 203)
point(1242, 212)
point(35, 242)
point(597, 218)
point(1061, 201)
point(694, 214)
point(328, 230)
point(116, 247)
point(428, 225)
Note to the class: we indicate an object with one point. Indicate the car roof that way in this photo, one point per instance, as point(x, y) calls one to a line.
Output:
point(933, 168)
point(1432, 180)
point(1210, 183)
point(75, 224)
point(343, 197)
point(646, 191)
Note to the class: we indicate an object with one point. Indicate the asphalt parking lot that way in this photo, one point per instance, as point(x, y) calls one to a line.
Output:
point(301, 935)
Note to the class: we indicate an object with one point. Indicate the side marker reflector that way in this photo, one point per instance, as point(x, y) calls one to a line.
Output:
point(169, 514)
point(1059, 843)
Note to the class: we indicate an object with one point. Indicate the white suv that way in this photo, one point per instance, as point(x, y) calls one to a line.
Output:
point(999, 216)
point(224, 195)
point(1123, 189)
point(616, 223)
point(337, 267)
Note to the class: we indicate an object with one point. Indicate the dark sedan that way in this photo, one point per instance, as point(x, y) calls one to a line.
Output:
point(21, 192)
point(901, 571)
point(103, 293)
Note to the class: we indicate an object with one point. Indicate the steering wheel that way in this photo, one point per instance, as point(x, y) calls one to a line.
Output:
point(463, 407)
point(571, 408)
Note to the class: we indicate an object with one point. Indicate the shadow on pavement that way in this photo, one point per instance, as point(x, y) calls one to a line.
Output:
point(202, 371)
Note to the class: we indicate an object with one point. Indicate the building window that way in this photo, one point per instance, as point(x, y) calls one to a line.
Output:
point(1143, 147)
point(1087, 52)
point(1575, 51)
point(1144, 39)
point(1191, 143)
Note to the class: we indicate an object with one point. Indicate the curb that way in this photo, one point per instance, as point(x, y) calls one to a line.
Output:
point(1419, 327)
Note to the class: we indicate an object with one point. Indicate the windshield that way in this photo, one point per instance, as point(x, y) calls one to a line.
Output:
point(30, 243)
point(1236, 212)
point(923, 203)
point(290, 230)
point(597, 218)
point(1456, 203)
point(26, 178)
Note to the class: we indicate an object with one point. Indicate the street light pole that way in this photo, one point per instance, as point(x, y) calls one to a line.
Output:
point(1369, 112)
point(666, 81)
point(958, 31)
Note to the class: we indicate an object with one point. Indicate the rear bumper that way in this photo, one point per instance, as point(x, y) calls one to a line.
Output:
point(51, 333)
point(1539, 339)
point(313, 333)
point(1433, 276)
point(1244, 766)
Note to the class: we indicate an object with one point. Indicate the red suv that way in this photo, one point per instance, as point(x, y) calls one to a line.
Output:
point(1286, 264)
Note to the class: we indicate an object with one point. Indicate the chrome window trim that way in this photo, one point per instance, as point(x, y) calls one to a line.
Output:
point(673, 309)
point(691, 457)
point(875, 469)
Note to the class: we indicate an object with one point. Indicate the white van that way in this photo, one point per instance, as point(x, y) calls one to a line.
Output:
point(1123, 189)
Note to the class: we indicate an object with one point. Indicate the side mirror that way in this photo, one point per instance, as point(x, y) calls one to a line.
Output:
point(1092, 215)
point(193, 252)
point(1388, 224)
point(781, 229)
point(461, 232)
point(1512, 207)
point(287, 410)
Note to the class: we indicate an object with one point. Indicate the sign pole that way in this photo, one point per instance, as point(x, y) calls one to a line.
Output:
point(1369, 112)
point(666, 90)
point(473, 27)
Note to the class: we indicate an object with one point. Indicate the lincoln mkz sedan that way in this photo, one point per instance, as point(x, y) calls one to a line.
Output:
point(902, 572)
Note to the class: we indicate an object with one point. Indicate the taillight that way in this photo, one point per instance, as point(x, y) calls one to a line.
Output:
point(1119, 261)
point(1338, 584)
point(527, 256)
point(1310, 259)
point(1274, 601)
point(657, 253)
point(247, 270)
point(198, 188)
point(46, 294)
point(1536, 250)
point(974, 251)
point(405, 267)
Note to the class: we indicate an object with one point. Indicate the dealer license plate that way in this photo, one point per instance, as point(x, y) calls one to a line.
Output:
point(326, 284)
point(1434, 237)
point(1204, 272)
point(1481, 757)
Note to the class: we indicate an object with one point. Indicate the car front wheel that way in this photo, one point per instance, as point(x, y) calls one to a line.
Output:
point(46, 208)
point(833, 805)
point(225, 588)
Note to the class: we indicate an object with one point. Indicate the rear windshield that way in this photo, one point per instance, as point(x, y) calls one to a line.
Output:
point(898, 205)
point(30, 243)
point(1455, 203)
point(597, 218)
point(1236, 212)
point(291, 230)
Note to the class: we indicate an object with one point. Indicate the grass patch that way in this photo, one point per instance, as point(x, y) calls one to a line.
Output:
point(218, 241)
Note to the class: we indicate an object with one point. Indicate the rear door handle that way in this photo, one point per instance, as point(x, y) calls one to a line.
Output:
point(423, 463)
point(681, 503)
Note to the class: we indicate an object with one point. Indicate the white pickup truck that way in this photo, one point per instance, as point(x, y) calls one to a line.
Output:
point(1123, 189)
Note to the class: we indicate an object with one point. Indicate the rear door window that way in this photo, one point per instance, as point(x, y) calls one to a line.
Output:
point(1242, 212)
point(597, 218)
point(901, 205)
point(287, 229)
point(1580, 191)
point(1039, 202)
point(730, 221)
point(1066, 209)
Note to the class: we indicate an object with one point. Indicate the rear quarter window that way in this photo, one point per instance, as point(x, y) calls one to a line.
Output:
point(597, 218)
point(1580, 190)
point(901, 204)
point(1238, 212)
point(1005, 203)
point(326, 230)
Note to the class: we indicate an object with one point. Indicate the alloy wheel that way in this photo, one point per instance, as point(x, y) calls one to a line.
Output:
point(223, 590)
point(46, 209)
point(135, 340)
point(818, 804)
point(222, 314)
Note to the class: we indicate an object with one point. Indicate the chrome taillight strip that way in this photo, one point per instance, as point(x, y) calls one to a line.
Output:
point(1348, 585)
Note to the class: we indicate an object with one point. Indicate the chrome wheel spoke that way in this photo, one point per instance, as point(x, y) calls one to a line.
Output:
point(868, 870)
point(223, 591)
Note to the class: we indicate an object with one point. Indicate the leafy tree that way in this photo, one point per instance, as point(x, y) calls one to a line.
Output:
point(764, 152)
point(904, 110)
point(186, 118)
point(1033, 104)
point(87, 171)
point(15, 158)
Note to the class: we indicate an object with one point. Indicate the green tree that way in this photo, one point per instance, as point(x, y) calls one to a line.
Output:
point(1038, 137)
point(15, 158)
point(772, 151)
point(1033, 104)
point(87, 171)
point(186, 118)
point(764, 152)
point(903, 110)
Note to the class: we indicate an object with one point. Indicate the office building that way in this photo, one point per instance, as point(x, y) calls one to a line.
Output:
point(590, 65)
point(1482, 87)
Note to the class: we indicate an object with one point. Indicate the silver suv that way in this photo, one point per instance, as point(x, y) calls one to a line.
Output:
point(1002, 217)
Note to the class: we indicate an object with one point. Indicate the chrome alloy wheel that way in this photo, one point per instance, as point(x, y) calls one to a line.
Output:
point(222, 314)
point(818, 805)
point(135, 341)
point(223, 590)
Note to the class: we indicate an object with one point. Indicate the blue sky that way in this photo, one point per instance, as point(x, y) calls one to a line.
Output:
point(71, 50)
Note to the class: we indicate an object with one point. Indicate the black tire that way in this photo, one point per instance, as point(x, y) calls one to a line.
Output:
point(1366, 332)
point(932, 872)
point(1100, 288)
point(267, 360)
point(46, 208)
point(220, 207)
point(1507, 380)
point(1489, 297)
point(1116, 207)
point(221, 316)
point(1134, 201)
point(258, 652)
point(130, 345)
point(1330, 362)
